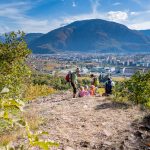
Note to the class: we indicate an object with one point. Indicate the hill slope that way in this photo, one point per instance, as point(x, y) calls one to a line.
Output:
point(89, 123)
point(2, 38)
point(145, 32)
point(91, 35)
point(32, 36)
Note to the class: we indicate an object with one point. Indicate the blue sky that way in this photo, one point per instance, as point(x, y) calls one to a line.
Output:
point(46, 15)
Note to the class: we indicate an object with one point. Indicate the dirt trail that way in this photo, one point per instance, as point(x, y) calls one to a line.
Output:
point(88, 123)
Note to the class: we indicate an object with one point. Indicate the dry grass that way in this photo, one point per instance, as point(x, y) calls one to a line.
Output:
point(7, 138)
point(119, 79)
point(51, 66)
point(11, 136)
point(33, 119)
point(34, 91)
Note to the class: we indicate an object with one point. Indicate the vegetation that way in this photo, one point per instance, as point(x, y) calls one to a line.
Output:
point(14, 77)
point(34, 91)
point(135, 90)
point(56, 82)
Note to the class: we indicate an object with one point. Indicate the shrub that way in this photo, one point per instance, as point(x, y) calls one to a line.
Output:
point(56, 82)
point(14, 75)
point(34, 91)
point(136, 89)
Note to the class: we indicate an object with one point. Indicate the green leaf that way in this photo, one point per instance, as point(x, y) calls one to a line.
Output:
point(21, 122)
point(6, 116)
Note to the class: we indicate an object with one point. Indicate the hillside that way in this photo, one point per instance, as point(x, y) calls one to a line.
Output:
point(30, 37)
point(90, 123)
point(2, 39)
point(145, 32)
point(92, 35)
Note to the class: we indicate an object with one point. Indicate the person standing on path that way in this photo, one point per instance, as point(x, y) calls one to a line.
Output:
point(74, 78)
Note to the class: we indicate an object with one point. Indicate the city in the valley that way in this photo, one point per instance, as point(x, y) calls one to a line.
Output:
point(117, 65)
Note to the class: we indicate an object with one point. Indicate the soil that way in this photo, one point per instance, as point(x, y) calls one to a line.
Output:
point(91, 123)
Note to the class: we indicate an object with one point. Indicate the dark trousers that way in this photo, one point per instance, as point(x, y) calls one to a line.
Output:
point(74, 87)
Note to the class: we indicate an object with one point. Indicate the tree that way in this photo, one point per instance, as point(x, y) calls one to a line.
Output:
point(14, 73)
point(13, 69)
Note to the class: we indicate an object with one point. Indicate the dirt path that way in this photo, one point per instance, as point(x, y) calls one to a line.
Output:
point(88, 123)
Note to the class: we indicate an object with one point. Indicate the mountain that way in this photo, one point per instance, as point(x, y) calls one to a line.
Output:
point(32, 36)
point(2, 38)
point(90, 36)
point(145, 32)
point(28, 37)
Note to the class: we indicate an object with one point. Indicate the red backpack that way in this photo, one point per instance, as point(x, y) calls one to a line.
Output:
point(68, 77)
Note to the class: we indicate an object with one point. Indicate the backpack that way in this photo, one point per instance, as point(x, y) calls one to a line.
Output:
point(68, 77)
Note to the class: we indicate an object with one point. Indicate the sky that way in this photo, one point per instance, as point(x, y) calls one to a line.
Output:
point(42, 16)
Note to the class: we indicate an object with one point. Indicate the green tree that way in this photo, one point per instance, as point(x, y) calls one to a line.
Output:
point(14, 74)
point(13, 69)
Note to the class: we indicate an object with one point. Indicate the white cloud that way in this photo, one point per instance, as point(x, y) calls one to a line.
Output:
point(4, 28)
point(15, 13)
point(140, 25)
point(116, 4)
point(139, 20)
point(95, 4)
point(138, 13)
point(74, 4)
point(117, 15)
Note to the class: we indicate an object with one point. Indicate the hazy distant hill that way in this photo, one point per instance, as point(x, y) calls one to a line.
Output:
point(32, 36)
point(145, 32)
point(28, 37)
point(2, 39)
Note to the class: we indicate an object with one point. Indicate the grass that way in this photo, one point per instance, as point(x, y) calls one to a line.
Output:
point(34, 91)
point(118, 79)
point(33, 119)
point(9, 134)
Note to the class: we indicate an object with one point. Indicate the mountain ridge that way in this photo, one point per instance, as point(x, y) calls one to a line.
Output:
point(91, 35)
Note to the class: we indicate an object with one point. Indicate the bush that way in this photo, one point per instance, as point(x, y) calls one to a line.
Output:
point(14, 75)
point(58, 83)
point(135, 90)
point(34, 91)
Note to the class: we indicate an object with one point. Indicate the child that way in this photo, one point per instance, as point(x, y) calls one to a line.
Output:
point(81, 92)
point(87, 92)
point(92, 90)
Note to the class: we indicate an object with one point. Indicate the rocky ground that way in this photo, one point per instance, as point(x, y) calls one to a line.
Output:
point(92, 123)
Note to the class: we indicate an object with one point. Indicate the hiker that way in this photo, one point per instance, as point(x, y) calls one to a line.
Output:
point(81, 91)
point(108, 86)
point(103, 77)
point(72, 79)
point(86, 89)
point(94, 82)
point(92, 90)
